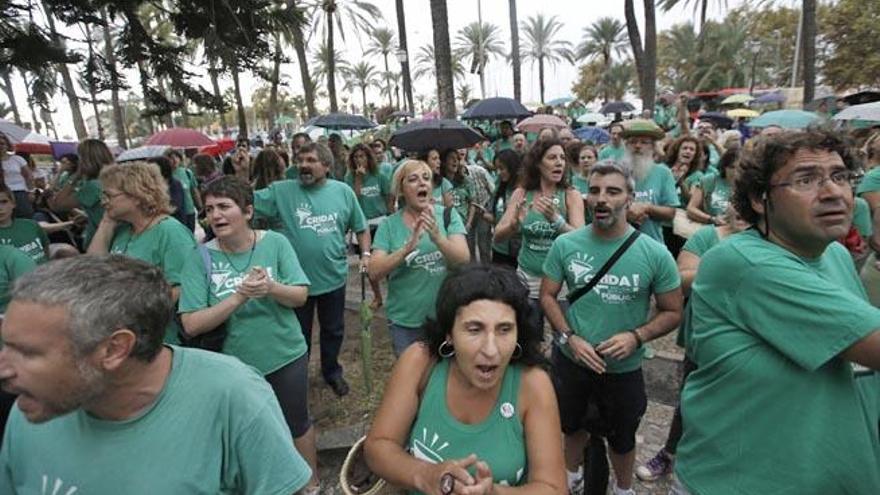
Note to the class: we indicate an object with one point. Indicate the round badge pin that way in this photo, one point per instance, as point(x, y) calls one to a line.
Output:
point(507, 410)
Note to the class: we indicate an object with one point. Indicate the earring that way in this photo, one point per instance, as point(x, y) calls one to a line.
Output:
point(449, 350)
point(517, 352)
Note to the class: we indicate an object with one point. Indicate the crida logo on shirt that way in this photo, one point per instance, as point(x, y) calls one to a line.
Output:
point(613, 289)
point(225, 280)
point(321, 224)
point(432, 262)
point(57, 487)
point(370, 191)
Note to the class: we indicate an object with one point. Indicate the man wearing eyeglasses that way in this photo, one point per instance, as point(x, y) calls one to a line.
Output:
point(780, 325)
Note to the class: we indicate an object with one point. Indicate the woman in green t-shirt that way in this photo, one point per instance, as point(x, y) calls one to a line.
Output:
point(413, 248)
point(508, 165)
point(683, 157)
point(462, 188)
point(711, 195)
point(580, 157)
point(471, 407)
point(256, 281)
point(442, 190)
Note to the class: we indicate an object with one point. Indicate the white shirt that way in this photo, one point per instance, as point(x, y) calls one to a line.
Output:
point(12, 173)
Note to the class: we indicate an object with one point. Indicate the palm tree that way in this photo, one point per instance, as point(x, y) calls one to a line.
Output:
point(360, 14)
point(479, 42)
point(362, 75)
point(541, 47)
point(702, 5)
point(72, 99)
point(296, 37)
point(6, 75)
point(603, 39)
point(808, 46)
point(110, 56)
point(726, 63)
point(464, 95)
point(618, 79)
point(426, 64)
point(677, 56)
point(443, 60)
point(404, 65)
point(645, 57)
point(382, 43)
point(514, 50)
point(321, 62)
point(88, 77)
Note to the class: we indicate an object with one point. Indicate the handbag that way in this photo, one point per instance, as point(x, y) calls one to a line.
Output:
point(213, 339)
point(581, 291)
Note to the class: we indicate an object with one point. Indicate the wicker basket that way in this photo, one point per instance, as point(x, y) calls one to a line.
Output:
point(355, 478)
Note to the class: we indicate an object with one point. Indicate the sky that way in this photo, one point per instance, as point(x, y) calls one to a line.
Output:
point(574, 14)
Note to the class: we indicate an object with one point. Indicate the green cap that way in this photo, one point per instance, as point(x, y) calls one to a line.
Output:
point(642, 127)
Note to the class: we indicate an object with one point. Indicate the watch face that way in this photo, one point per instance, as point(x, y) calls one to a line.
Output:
point(447, 484)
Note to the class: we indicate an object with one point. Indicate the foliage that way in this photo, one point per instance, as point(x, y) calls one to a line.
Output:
point(425, 64)
point(603, 38)
point(540, 42)
point(594, 81)
point(850, 28)
point(475, 40)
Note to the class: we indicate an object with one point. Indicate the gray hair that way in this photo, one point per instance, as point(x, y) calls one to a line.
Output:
point(610, 166)
point(325, 156)
point(103, 294)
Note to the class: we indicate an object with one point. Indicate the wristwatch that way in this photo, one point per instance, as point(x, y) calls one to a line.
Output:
point(562, 338)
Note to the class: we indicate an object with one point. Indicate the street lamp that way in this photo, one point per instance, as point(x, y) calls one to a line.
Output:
point(754, 48)
point(403, 58)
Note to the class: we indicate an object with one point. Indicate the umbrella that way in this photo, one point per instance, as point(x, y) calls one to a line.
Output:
point(537, 122)
point(862, 97)
point(496, 108)
point(401, 114)
point(592, 117)
point(61, 148)
point(865, 111)
point(434, 134)
point(339, 121)
point(558, 102)
point(366, 337)
point(143, 153)
point(616, 107)
point(737, 99)
point(787, 119)
point(179, 137)
point(284, 120)
point(14, 132)
point(743, 112)
point(719, 119)
point(218, 148)
point(33, 143)
point(767, 98)
point(594, 134)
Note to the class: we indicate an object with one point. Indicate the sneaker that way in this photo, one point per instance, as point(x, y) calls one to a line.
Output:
point(660, 465)
point(576, 486)
point(339, 386)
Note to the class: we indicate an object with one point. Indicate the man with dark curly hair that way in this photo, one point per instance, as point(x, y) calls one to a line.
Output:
point(780, 324)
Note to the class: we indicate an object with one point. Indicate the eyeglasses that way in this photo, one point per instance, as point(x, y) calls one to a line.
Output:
point(110, 196)
point(812, 182)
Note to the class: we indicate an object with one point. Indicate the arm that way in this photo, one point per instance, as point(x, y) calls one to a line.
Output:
point(873, 199)
point(103, 237)
point(574, 204)
point(661, 213)
point(553, 311)
point(50, 228)
point(513, 216)
point(865, 351)
point(472, 211)
point(623, 344)
point(447, 199)
point(695, 207)
point(687, 269)
point(454, 248)
point(28, 177)
point(65, 199)
point(291, 296)
point(363, 238)
point(204, 320)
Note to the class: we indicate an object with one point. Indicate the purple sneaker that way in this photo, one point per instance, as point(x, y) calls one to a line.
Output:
point(660, 465)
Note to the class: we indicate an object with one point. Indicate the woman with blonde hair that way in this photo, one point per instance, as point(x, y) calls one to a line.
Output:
point(138, 224)
point(413, 248)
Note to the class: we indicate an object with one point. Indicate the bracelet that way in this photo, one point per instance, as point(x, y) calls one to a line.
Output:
point(366, 255)
point(639, 341)
point(559, 222)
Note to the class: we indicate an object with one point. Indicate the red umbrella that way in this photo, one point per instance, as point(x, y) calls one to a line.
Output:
point(218, 148)
point(33, 143)
point(180, 137)
point(537, 122)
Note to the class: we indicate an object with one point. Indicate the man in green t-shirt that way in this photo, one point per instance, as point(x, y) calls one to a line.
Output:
point(614, 148)
point(778, 321)
point(656, 196)
point(104, 407)
point(599, 350)
point(192, 202)
point(316, 212)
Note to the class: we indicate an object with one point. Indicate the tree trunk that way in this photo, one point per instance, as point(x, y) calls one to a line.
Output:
point(110, 54)
point(443, 60)
point(308, 90)
point(142, 69)
point(7, 86)
point(331, 65)
point(514, 51)
point(276, 79)
point(364, 100)
point(808, 46)
point(387, 71)
point(650, 88)
point(404, 66)
point(92, 90)
point(541, 77)
point(27, 91)
point(215, 84)
point(239, 103)
point(78, 123)
point(169, 121)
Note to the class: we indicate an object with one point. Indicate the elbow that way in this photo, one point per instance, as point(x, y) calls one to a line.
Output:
point(300, 296)
point(189, 323)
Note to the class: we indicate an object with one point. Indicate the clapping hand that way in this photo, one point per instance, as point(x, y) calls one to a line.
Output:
point(546, 206)
point(256, 284)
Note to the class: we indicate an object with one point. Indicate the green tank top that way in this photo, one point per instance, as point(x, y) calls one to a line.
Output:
point(538, 235)
point(502, 247)
point(436, 435)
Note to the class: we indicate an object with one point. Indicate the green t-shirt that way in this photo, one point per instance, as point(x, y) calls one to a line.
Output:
point(438, 191)
point(580, 183)
point(188, 181)
point(28, 237)
point(704, 239)
point(166, 245)
point(537, 235)
point(658, 188)
point(716, 194)
point(262, 332)
point(870, 182)
point(862, 217)
point(315, 220)
point(215, 428)
point(413, 285)
point(292, 172)
point(502, 247)
point(714, 159)
point(609, 151)
point(462, 197)
point(772, 408)
point(13, 264)
point(499, 440)
point(684, 187)
point(621, 301)
point(89, 197)
point(375, 188)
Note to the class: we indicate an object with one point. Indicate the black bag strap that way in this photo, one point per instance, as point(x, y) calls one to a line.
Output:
point(206, 261)
point(447, 218)
point(574, 296)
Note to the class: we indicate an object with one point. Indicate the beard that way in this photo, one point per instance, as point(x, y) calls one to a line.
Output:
point(640, 164)
point(91, 384)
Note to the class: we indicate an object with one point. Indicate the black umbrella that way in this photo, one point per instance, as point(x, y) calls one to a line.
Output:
point(496, 108)
point(342, 121)
point(401, 114)
point(616, 107)
point(868, 96)
point(719, 119)
point(434, 134)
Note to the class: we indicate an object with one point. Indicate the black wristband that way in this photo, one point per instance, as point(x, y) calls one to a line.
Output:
point(639, 341)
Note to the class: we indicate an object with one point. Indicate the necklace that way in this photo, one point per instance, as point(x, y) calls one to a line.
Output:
point(250, 256)
point(132, 236)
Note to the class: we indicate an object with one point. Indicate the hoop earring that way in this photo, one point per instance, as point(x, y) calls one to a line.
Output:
point(517, 352)
point(450, 351)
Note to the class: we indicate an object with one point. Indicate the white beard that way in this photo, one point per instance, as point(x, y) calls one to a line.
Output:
point(639, 165)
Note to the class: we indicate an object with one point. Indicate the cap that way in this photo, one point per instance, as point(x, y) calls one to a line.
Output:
point(642, 127)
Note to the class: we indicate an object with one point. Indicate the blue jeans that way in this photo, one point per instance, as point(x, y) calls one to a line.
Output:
point(402, 337)
point(331, 319)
